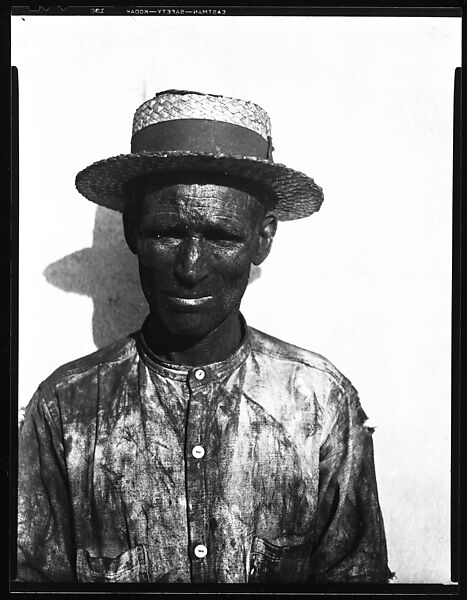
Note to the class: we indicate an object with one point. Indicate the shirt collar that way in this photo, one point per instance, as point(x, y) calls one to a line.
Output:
point(216, 370)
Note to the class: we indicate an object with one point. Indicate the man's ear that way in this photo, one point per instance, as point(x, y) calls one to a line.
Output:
point(265, 237)
point(129, 231)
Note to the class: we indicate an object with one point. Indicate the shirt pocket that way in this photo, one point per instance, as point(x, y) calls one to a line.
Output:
point(132, 566)
point(273, 564)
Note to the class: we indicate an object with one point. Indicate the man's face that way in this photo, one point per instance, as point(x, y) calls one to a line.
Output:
point(195, 244)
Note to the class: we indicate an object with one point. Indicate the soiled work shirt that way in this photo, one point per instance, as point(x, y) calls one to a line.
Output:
point(255, 469)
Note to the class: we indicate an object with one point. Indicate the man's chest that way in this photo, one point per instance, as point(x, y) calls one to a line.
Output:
point(186, 472)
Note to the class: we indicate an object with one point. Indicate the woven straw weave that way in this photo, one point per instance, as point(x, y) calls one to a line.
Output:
point(168, 106)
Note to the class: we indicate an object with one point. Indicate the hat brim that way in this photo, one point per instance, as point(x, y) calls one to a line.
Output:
point(294, 195)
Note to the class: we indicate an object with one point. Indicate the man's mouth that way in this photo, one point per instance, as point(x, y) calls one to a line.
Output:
point(189, 302)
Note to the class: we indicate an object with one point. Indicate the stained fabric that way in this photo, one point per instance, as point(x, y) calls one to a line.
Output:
point(258, 468)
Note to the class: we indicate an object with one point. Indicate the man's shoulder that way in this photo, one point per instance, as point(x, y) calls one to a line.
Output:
point(114, 354)
point(308, 373)
point(280, 350)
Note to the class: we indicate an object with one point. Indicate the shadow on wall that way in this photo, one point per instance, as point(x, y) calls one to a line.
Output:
point(107, 272)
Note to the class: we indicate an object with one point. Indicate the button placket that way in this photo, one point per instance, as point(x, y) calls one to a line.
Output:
point(195, 451)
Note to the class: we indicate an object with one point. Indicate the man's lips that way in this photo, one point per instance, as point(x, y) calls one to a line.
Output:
point(189, 301)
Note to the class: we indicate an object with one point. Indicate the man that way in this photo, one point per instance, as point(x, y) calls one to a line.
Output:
point(198, 449)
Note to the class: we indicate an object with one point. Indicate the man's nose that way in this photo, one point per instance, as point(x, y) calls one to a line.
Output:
point(192, 261)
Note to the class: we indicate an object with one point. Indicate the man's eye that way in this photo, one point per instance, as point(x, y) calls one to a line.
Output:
point(225, 241)
point(224, 236)
point(166, 234)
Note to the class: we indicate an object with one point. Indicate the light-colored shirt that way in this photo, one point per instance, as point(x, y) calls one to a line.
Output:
point(258, 468)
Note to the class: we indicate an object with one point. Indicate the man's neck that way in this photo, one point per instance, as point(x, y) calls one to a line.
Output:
point(216, 346)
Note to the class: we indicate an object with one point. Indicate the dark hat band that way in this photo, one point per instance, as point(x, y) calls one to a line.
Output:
point(201, 136)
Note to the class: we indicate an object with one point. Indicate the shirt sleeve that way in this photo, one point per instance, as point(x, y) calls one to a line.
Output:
point(350, 542)
point(44, 545)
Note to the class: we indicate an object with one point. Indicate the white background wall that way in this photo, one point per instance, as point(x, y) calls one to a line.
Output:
point(363, 105)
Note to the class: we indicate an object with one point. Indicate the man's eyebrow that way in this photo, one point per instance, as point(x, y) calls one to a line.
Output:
point(207, 226)
point(220, 228)
point(225, 223)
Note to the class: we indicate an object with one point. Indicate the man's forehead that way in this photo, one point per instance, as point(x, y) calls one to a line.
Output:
point(184, 192)
point(197, 199)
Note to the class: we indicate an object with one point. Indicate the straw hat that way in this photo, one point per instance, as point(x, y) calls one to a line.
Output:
point(180, 131)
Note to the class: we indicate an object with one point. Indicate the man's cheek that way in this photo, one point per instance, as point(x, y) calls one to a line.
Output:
point(154, 260)
point(231, 267)
point(153, 280)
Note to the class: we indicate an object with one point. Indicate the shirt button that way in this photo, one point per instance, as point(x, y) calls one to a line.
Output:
point(199, 374)
point(200, 551)
point(198, 451)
